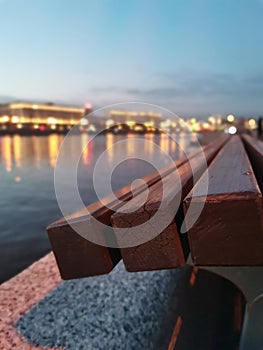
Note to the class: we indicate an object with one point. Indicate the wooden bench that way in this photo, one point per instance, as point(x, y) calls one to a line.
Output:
point(227, 238)
point(228, 229)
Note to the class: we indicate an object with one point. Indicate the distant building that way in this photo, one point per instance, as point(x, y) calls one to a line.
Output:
point(131, 121)
point(39, 116)
point(129, 117)
point(40, 113)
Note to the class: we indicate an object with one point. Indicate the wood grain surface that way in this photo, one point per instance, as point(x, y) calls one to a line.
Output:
point(229, 229)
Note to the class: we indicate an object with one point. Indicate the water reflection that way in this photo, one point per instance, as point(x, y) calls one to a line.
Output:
point(164, 143)
point(109, 146)
point(173, 146)
point(86, 147)
point(27, 185)
point(149, 145)
point(19, 151)
point(53, 146)
point(37, 151)
point(130, 146)
point(6, 152)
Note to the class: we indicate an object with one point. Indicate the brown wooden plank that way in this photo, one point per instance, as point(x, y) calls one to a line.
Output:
point(168, 249)
point(77, 257)
point(254, 149)
point(229, 229)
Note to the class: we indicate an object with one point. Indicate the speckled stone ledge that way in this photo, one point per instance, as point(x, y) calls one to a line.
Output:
point(21, 293)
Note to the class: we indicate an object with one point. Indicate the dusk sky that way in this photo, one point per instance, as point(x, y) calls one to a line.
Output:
point(195, 57)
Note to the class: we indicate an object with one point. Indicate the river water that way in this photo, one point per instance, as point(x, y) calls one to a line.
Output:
point(27, 197)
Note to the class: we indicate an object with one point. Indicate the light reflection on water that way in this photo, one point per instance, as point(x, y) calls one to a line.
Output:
point(27, 200)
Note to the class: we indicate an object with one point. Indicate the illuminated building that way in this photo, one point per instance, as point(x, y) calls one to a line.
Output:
point(47, 113)
point(128, 121)
point(132, 117)
point(40, 116)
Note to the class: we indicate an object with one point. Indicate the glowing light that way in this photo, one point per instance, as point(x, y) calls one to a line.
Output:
point(252, 123)
point(219, 120)
point(19, 126)
point(149, 124)
point(212, 119)
point(7, 153)
point(86, 148)
point(88, 105)
point(206, 125)
point(109, 123)
point(164, 143)
point(163, 125)
point(53, 127)
point(84, 122)
point(92, 128)
point(131, 123)
point(17, 150)
point(36, 126)
point(109, 148)
point(15, 119)
point(51, 120)
point(35, 106)
point(134, 114)
point(138, 128)
point(17, 179)
point(53, 145)
point(5, 118)
point(232, 130)
point(230, 118)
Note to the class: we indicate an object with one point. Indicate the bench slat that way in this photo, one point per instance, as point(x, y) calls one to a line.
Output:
point(254, 150)
point(77, 257)
point(229, 229)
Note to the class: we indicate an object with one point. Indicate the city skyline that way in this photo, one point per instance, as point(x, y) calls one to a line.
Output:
point(192, 57)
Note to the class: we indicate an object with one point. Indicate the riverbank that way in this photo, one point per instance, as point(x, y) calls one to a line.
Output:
point(139, 306)
point(147, 310)
point(21, 293)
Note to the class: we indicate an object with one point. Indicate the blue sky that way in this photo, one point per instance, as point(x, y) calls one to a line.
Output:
point(194, 57)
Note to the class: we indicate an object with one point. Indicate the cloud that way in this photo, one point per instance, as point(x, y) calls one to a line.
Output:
point(189, 93)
